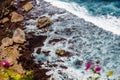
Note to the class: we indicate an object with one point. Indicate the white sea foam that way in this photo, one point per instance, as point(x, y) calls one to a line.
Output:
point(109, 23)
point(88, 41)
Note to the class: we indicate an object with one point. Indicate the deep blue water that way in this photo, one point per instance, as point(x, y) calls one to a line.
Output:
point(100, 7)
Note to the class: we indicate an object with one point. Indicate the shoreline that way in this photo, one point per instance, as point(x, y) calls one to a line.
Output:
point(77, 38)
point(67, 26)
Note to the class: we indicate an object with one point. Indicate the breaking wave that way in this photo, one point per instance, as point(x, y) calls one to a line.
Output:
point(107, 19)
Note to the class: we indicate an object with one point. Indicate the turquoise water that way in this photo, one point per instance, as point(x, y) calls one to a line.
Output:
point(100, 7)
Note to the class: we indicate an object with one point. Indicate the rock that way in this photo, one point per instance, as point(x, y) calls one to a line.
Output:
point(60, 52)
point(4, 20)
point(43, 22)
point(5, 7)
point(28, 6)
point(17, 68)
point(7, 41)
point(19, 36)
point(15, 17)
point(11, 53)
point(22, 0)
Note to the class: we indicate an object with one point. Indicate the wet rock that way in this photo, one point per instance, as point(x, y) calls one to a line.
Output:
point(39, 51)
point(15, 17)
point(19, 36)
point(4, 20)
point(43, 22)
point(60, 52)
point(64, 67)
point(28, 6)
point(7, 41)
point(46, 53)
point(52, 78)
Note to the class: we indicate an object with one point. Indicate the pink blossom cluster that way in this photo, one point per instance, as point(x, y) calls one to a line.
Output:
point(4, 63)
point(97, 68)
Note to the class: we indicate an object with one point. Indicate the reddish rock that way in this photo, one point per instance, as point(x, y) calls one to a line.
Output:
point(4, 20)
point(60, 52)
point(19, 36)
point(15, 17)
point(7, 41)
point(28, 6)
point(43, 22)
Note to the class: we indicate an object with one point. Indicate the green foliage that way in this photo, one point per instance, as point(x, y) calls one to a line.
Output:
point(10, 75)
point(28, 76)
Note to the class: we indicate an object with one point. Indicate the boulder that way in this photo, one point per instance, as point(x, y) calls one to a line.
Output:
point(19, 36)
point(15, 17)
point(28, 6)
point(7, 41)
point(60, 52)
point(43, 22)
point(4, 20)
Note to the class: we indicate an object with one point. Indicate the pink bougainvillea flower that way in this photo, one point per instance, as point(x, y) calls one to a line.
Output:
point(88, 65)
point(98, 69)
point(7, 63)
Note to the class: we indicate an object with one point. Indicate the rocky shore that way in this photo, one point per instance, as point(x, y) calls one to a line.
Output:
point(40, 42)
point(16, 62)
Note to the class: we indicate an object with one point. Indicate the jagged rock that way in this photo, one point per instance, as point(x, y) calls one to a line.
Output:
point(7, 41)
point(19, 36)
point(43, 22)
point(28, 6)
point(15, 17)
point(4, 20)
point(17, 68)
point(10, 53)
point(60, 52)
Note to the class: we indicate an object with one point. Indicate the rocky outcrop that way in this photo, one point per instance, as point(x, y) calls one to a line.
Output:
point(4, 20)
point(28, 6)
point(11, 52)
point(60, 52)
point(43, 22)
point(15, 17)
point(7, 41)
point(19, 36)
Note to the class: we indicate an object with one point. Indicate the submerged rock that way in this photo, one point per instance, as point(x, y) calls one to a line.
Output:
point(28, 6)
point(15, 17)
point(7, 41)
point(19, 36)
point(43, 22)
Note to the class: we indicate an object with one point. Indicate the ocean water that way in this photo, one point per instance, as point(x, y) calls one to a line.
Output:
point(104, 14)
point(100, 7)
point(87, 34)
